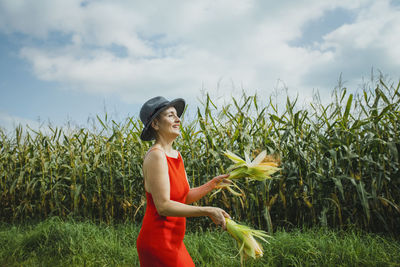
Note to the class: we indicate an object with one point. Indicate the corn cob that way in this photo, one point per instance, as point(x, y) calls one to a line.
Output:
point(259, 169)
point(244, 235)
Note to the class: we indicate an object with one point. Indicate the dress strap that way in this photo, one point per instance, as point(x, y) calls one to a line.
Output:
point(151, 149)
point(154, 148)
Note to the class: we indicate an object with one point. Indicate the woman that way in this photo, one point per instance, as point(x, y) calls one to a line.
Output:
point(160, 241)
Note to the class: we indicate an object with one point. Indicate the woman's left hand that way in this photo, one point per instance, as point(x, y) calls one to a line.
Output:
point(220, 181)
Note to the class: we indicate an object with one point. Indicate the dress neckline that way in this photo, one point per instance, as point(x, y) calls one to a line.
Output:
point(179, 154)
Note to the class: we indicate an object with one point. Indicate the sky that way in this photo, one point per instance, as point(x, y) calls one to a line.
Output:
point(66, 61)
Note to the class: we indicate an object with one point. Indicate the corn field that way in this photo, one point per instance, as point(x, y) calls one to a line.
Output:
point(340, 164)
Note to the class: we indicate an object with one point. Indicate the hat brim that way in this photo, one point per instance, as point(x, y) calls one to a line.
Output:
point(148, 133)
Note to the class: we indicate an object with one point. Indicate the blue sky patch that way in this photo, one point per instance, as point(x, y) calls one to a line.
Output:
point(314, 30)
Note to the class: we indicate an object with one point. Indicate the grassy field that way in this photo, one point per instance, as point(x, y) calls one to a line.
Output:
point(55, 242)
point(340, 170)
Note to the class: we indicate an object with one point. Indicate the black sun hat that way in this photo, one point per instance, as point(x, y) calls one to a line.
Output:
point(152, 108)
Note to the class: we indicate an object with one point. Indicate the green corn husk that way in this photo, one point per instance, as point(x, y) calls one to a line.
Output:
point(258, 169)
point(244, 235)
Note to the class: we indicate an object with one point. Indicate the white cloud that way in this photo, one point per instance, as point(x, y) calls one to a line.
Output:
point(175, 48)
point(357, 48)
point(377, 27)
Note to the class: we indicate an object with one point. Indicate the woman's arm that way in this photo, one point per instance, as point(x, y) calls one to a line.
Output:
point(155, 170)
point(199, 192)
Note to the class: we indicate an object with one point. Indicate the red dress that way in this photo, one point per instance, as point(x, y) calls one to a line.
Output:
point(160, 241)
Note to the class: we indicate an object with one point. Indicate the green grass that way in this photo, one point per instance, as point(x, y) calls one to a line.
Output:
point(54, 242)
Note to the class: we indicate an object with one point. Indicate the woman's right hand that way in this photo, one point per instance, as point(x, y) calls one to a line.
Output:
point(218, 216)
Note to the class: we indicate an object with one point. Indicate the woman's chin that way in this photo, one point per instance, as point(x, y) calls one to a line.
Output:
point(175, 134)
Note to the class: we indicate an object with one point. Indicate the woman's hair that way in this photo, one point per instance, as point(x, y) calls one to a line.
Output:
point(151, 129)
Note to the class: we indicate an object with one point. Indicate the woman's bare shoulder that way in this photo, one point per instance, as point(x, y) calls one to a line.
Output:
point(154, 156)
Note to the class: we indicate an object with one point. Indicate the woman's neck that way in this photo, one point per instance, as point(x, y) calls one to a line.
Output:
point(166, 146)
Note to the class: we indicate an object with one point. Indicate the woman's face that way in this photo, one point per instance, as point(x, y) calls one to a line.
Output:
point(167, 123)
